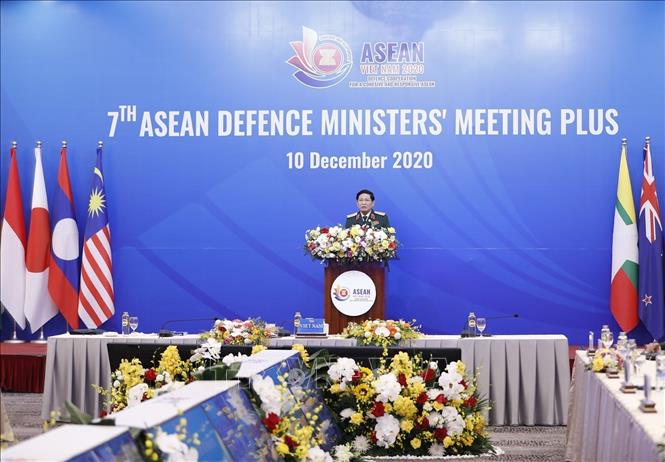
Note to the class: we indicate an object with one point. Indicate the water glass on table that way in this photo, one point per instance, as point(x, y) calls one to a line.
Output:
point(481, 324)
point(133, 323)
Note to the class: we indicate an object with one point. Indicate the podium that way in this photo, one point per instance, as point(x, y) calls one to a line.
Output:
point(335, 318)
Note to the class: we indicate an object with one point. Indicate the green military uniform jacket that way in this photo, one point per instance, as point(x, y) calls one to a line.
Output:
point(373, 220)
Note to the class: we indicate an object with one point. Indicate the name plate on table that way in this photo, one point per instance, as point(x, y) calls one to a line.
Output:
point(312, 327)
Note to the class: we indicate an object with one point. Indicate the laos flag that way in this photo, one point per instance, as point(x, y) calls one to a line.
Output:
point(64, 266)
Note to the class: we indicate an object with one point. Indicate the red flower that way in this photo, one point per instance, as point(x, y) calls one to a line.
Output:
point(221, 328)
point(440, 433)
point(402, 379)
point(422, 424)
point(103, 413)
point(145, 397)
point(324, 230)
point(428, 375)
point(471, 402)
point(271, 421)
point(378, 409)
point(373, 438)
point(150, 375)
point(463, 383)
point(392, 246)
point(441, 399)
point(422, 398)
point(290, 442)
point(357, 375)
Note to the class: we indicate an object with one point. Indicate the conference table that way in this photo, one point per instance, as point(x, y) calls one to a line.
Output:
point(525, 376)
point(606, 425)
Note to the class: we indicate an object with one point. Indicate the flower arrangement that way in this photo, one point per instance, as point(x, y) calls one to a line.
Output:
point(158, 446)
point(382, 333)
point(295, 438)
point(237, 332)
point(408, 407)
point(606, 359)
point(351, 245)
point(131, 383)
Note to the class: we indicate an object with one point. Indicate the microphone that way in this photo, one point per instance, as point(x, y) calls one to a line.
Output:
point(465, 330)
point(169, 333)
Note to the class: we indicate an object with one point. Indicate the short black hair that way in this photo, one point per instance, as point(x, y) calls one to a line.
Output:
point(365, 191)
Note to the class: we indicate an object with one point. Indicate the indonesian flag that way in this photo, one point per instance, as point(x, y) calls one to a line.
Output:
point(623, 292)
point(39, 307)
point(64, 267)
point(12, 247)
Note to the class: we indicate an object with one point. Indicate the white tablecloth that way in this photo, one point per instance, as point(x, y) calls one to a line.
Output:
point(526, 376)
point(607, 425)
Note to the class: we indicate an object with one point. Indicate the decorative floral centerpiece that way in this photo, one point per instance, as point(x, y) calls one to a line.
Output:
point(131, 383)
point(158, 446)
point(237, 332)
point(408, 407)
point(382, 333)
point(351, 245)
point(606, 360)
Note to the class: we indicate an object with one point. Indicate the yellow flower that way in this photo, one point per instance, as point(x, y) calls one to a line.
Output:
point(388, 407)
point(597, 364)
point(461, 368)
point(416, 388)
point(334, 388)
point(406, 425)
point(282, 449)
point(447, 441)
point(356, 418)
point(437, 406)
point(303, 352)
point(258, 349)
point(415, 443)
point(363, 393)
point(469, 423)
point(405, 407)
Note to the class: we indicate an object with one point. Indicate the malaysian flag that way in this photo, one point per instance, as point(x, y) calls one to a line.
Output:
point(652, 300)
point(96, 295)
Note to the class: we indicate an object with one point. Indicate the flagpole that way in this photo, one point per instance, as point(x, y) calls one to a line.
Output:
point(14, 338)
point(41, 338)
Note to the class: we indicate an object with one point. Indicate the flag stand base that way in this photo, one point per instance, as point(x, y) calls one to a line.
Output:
point(41, 338)
point(14, 338)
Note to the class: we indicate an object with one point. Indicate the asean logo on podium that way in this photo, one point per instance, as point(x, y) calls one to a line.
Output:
point(353, 293)
point(321, 61)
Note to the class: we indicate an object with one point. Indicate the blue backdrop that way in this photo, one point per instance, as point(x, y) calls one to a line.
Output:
point(214, 225)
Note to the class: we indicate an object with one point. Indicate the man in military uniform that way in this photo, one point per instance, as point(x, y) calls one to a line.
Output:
point(366, 216)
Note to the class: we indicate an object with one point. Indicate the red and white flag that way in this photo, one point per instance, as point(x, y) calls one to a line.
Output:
point(12, 247)
point(39, 306)
point(96, 295)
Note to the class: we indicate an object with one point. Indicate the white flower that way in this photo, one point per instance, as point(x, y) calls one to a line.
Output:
point(437, 450)
point(343, 370)
point(316, 454)
point(387, 388)
point(202, 368)
point(208, 350)
point(135, 394)
point(118, 375)
point(271, 398)
point(231, 358)
point(398, 335)
point(360, 443)
point(343, 453)
point(435, 419)
point(433, 393)
point(170, 443)
point(382, 331)
point(433, 365)
point(347, 413)
point(387, 428)
point(427, 407)
point(450, 382)
point(453, 421)
point(116, 384)
point(368, 334)
point(217, 322)
point(416, 379)
point(159, 378)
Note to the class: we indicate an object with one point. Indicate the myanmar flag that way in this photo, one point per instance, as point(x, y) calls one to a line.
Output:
point(623, 293)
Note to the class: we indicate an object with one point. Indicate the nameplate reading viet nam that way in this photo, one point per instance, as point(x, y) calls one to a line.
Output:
point(312, 326)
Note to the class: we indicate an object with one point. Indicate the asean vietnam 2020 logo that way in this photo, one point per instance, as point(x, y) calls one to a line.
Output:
point(322, 61)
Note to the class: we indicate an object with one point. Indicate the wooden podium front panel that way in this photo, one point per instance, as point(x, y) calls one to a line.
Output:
point(338, 320)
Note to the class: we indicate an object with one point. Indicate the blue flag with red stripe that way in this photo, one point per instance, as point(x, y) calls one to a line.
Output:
point(652, 300)
point(65, 261)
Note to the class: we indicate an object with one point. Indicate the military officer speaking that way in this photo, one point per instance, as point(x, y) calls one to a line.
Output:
point(366, 215)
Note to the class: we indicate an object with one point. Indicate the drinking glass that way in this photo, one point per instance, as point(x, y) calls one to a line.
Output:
point(608, 339)
point(660, 370)
point(481, 323)
point(133, 323)
point(639, 361)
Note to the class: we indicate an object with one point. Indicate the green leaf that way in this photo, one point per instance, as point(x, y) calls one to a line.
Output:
point(76, 415)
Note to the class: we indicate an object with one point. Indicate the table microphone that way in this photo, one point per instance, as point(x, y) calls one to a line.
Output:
point(465, 330)
point(169, 333)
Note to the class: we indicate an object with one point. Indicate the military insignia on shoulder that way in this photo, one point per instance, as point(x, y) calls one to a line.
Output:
point(383, 214)
point(351, 215)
